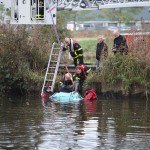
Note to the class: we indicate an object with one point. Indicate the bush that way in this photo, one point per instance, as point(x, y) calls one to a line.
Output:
point(23, 57)
point(123, 69)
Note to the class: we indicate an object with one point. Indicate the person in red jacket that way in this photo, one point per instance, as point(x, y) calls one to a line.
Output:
point(75, 50)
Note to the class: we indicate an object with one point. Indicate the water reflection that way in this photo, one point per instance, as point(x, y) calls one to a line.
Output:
point(98, 125)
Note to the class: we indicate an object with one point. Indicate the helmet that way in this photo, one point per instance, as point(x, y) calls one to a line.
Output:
point(81, 67)
point(68, 76)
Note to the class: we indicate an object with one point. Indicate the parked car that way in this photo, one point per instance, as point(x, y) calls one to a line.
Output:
point(112, 28)
point(85, 27)
point(125, 28)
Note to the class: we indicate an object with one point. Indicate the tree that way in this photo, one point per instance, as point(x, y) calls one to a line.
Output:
point(78, 16)
point(122, 15)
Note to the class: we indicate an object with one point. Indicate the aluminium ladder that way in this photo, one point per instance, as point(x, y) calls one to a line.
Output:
point(52, 67)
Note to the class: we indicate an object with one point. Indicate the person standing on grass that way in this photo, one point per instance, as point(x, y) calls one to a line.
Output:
point(75, 50)
point(101, 51)
point(120, 44)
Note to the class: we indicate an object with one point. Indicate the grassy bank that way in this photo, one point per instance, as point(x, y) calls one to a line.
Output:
point(88, 40)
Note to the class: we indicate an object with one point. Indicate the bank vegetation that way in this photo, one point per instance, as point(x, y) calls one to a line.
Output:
point(127, 75)
point(24, 52)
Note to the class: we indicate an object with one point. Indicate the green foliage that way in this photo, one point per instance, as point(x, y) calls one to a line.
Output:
point(24, 56)
point(122, 14)
point(88, 45)
point(76, 16)
point(14, 61)
point(123, 69)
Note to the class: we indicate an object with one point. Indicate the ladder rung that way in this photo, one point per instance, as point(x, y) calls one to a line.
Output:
point(54, 61)
point(48, 80)
point(48, 86)
point(52, 67)
point(56, 48)
point(55, 54)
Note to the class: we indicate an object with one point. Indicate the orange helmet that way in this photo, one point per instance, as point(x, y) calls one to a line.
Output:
point(81, 67)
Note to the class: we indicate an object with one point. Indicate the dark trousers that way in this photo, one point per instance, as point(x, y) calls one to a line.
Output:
point(78, 61)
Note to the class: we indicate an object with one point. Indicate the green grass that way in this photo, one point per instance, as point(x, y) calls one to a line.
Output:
point(88, 45)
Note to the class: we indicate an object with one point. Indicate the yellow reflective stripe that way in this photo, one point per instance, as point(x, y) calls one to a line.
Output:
point(75, 53)
point(79, 49)
point(88, 70)
point(60, 83)
point(77, 78)
point(39, 15)
point(78, 56)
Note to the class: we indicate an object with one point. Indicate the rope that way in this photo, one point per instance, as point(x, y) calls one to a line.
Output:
point(58, 39)
point(55, 30)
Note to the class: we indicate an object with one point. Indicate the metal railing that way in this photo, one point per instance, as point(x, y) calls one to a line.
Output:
point(98, 4)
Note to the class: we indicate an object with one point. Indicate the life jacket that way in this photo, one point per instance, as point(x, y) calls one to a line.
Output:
point(45, 96)
point(90, 95)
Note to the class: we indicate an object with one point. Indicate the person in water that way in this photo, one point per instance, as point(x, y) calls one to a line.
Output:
point(66, 83)
point(46, 96)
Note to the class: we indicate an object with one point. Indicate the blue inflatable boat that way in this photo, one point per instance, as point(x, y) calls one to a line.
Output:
point(64, 97)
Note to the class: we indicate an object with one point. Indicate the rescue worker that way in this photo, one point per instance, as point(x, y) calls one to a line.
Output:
point(80, 76)
point(120, 44)
point(75, 50)
point(66, 84)
point(101, 51)
point(40, 10)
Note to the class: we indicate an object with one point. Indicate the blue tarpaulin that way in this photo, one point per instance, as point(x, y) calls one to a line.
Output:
point(66, 97)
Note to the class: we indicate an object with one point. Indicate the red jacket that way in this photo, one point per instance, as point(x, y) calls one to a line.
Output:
point(90, 95)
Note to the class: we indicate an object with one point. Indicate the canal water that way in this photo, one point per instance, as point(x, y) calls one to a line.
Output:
point(105, 124)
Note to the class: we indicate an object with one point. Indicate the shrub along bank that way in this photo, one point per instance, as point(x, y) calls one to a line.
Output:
point(121, 73)
point(23, 57)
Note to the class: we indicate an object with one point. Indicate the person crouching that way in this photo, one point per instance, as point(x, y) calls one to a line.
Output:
point(66, 83)
point(80, 75)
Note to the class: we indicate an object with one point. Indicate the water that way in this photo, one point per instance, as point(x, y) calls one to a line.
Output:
point(108, 124)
